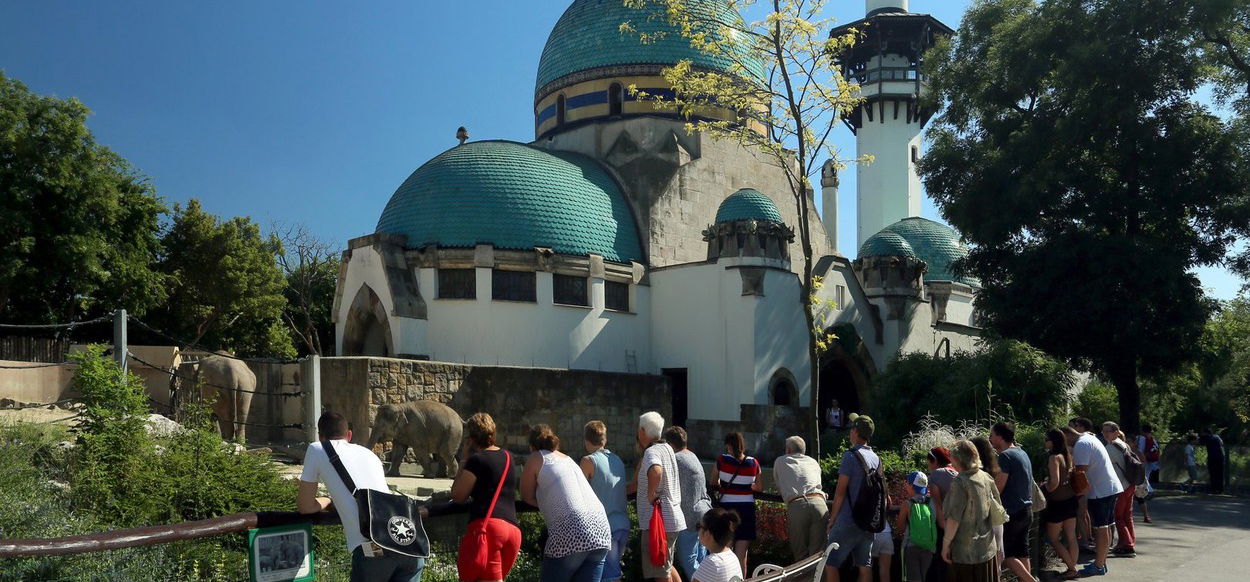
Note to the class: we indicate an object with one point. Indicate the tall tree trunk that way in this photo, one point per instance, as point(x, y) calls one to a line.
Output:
point(1124, 376)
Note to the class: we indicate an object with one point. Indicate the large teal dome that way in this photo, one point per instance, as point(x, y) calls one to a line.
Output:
point(747, 204)
point(514, 196)
point(932, 242)
point(588, 36)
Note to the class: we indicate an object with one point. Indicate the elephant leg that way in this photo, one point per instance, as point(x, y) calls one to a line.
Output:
point(450, 466)
point(397, 458)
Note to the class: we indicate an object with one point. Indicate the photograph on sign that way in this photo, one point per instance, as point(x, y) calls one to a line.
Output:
point(281, 554)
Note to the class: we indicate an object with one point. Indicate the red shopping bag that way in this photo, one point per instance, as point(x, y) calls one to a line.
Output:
point(659, 538)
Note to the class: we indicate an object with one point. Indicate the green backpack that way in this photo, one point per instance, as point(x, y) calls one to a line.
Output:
point(920, 526)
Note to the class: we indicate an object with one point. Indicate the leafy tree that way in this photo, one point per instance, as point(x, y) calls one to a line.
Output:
point(1072, 153)
point(787, 115)
point(226, 290)
point(311, 269)
point(78, 226)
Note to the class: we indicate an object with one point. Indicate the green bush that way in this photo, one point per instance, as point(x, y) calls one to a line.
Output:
point(1098, 402)
point(1004, 379)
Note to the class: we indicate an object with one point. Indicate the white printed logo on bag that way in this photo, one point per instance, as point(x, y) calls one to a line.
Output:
point(402, 530)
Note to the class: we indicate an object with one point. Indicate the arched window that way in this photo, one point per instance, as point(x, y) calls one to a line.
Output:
point(615, 97)
point(783, 391)
point(560, 111)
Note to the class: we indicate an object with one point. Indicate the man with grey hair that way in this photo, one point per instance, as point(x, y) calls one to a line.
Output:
point(657, 484)
point(798, 482)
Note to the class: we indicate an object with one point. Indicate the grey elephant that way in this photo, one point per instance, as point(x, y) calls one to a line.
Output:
point(427, 427)
point(228, 384)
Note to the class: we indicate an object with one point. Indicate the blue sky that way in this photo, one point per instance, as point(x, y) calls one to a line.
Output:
point(311, 112)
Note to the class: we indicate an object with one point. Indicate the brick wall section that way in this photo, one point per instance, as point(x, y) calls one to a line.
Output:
point(516, 397)
point(764, 428)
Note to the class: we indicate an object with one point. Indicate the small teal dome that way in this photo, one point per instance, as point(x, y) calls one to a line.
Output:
point(514, 196)
point(588, 36)
point(932, 242)
point(747, 204)
point(886, 244)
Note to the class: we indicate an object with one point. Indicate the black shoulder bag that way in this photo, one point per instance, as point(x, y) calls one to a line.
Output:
point(390, 520)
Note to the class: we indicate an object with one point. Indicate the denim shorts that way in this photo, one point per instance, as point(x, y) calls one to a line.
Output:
point(612, 563)
point(852, 542)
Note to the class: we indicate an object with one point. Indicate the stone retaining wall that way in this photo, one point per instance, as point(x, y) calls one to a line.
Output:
point(516, 397)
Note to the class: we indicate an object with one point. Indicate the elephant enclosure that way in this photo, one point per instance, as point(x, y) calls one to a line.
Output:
point(516, 397)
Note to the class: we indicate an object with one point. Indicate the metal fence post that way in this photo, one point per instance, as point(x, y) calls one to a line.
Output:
point(311, 386)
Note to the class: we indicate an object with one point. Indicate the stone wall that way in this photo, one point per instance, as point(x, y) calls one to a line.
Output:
point(516, 397)
point(764, 427)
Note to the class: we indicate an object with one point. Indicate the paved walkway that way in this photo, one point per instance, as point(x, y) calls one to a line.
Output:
point(1199, 538)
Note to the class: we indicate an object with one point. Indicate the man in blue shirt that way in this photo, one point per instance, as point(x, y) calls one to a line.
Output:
point(852, 540)
point(1015, 485)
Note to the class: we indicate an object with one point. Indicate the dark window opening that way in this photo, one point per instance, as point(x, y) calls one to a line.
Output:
point(616, 296)
point(513, 286)
point(560, 111)
point(915, 154)
point(457, 284)
point(615, 98)
point(784, 394)
point(570, 290)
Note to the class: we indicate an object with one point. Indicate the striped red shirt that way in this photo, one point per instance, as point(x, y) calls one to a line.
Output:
point(736, 478)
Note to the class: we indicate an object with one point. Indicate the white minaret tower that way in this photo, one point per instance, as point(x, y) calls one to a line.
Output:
point(886, 64)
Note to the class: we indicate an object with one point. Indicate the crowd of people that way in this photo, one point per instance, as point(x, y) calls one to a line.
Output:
point(967, 519)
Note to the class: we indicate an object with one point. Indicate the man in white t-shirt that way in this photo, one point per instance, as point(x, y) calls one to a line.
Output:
point(1090, 457)
point(657, 481)
point(368, 562)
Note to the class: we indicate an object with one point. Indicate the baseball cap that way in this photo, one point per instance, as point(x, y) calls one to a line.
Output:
point(919, 481)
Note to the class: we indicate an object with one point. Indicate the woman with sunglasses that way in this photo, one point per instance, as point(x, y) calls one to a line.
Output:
point(716, 533)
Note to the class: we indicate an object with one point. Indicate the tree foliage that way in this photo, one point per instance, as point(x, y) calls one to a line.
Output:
point(78, 226)
point(788, 114)
point(1072, 153)
point(1005, 379)
point(225, 288)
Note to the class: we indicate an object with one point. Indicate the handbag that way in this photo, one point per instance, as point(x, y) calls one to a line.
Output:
point(1080, 483)
point(391, 521)
point(1039, 499)
point(481, 558)
point(720, 488)
point(658, 542)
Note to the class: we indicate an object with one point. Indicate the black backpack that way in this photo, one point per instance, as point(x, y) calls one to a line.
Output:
point(868, 507)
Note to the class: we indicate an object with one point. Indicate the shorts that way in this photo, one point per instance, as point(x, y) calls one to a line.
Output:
point(1016, 533)
point(883, 543)
point(503, 542)
point(916, 562)
point(612, 563)
point(746, 512)
point(1102, 511)
point(852, 542)
point(1059, 511)
point(650, 570)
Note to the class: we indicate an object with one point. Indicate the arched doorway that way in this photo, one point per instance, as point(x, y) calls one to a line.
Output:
point(368, 330)
point(846, 371)
point(782, 389)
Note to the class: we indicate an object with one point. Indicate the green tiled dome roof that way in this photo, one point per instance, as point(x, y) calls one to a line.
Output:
point(514, 196)
point(746, 204)
point(886, 244)
point(932, 242)
point(589, 36)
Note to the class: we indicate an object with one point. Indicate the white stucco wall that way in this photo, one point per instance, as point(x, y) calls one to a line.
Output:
point(888, 189)
point(542, 334)
point(729, 344)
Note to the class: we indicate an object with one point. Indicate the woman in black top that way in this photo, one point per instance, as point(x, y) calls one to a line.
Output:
point(476, 483)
